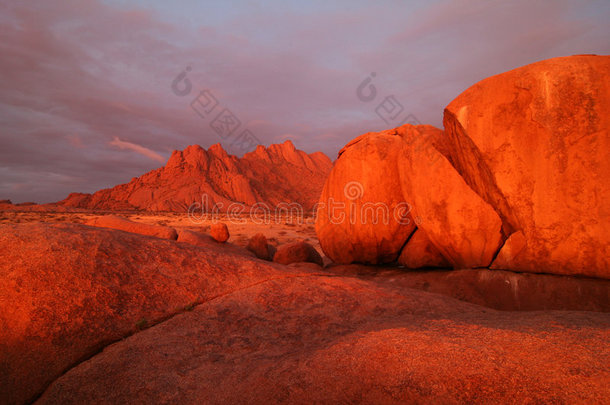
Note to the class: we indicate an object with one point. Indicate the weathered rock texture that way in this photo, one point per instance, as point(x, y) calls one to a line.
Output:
point(336, 340)
point(124, 224)
point(498, 289)
point(517, 181)
point(68, 290)
point(297, 252)
point(534, 142)
point(362, 215)
point(419, 252)
point(274, 175)
point(260, 247)
point(203, 325)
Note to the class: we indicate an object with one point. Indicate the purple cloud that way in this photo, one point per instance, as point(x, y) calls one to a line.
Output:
point(83, 80)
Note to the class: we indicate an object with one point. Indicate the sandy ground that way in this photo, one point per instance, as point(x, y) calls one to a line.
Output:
point(277, 230)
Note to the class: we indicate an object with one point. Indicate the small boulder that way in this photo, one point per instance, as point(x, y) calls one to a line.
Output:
point(219, 232)
point(259, 246)
point(124, 224)
point(297, 252)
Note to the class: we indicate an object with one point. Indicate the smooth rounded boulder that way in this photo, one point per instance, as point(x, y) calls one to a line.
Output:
point(362, 215)
point(220, 232)
point(533, 143)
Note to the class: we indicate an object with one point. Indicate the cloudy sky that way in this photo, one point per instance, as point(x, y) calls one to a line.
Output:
point(95, 92)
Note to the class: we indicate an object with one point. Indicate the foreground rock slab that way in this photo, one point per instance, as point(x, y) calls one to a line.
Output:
point(339, 340)
point(68, 290)
point(124, 224)
point(91, 315)
point(497, 289)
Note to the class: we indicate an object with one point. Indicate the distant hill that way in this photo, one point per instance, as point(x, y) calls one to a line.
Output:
point(273, 175)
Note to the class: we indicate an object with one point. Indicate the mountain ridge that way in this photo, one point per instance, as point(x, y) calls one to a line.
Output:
point(215, 179)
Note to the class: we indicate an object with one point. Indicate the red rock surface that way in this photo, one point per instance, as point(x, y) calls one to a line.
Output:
point(219, 232)
point(517, 181)
point(534, 142)
point(336, 340)
point(362, 216)
point(260, 247)
point(297, 252)
point(419, 252)
point(497, 289)
point(266, 332)
point(274, 175)
point(459, 223)
point(124, 224)
point(67, 290)
point(206, 241)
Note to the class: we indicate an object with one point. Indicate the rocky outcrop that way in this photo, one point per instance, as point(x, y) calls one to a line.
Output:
point(460, 224)
point(362, 215)
point(260, 247)
point(207, 180)
point(335, 340)
point(297, 252)
point(124, 224)
point(68, 290)
point(517, 181)
point(92, 315)
point(533, 142)
point(219, 232)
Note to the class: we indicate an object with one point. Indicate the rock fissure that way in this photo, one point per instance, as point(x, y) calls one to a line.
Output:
point(103, 345)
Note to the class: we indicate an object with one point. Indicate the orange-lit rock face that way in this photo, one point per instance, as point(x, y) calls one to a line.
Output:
point(68, 290)
point(124, 224)
point(274, 175)
point(362, 216)
point(534, 142)
point(463, 227)
point(339, 340)
point(420, 252)
point(520, 176)
point(297, 252)
point(220, 232)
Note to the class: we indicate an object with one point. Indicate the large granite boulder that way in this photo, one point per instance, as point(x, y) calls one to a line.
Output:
point(460, 224)
point(362, 215)
point(533, 142)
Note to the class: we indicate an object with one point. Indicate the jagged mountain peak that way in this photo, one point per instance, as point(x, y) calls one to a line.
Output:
point(271, 175)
